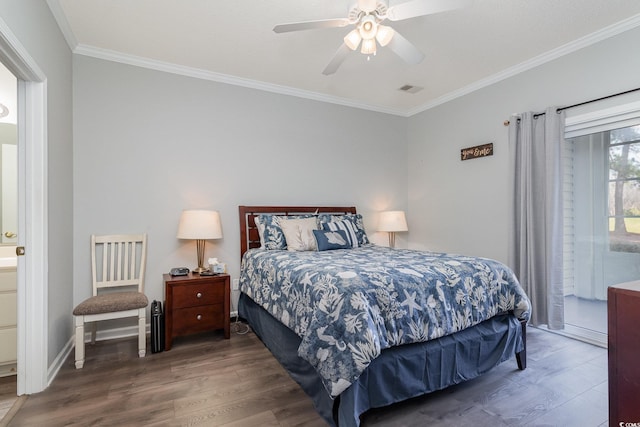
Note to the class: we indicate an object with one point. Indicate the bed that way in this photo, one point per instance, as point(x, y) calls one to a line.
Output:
point(357, 326)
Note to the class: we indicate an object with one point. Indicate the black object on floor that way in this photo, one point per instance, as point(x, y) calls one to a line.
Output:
point(157, 327)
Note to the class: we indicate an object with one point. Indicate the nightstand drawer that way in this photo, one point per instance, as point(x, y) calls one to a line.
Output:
point(198, 319)
point(200, 294)
point(194, 304)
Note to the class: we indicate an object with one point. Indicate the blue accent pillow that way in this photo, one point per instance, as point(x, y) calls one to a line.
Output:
point(355, 220)
point(328, 240)
point(344, 226)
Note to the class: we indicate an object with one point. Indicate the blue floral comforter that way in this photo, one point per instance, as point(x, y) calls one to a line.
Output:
point(348, 305)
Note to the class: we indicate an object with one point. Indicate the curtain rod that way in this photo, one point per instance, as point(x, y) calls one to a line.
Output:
point(535, 116)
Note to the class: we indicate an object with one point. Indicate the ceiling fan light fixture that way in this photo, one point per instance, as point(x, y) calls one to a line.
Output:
point(384, 35)
point(367, 5)
point(368, 46)
point(368, 27)
point(352, 40)
point(366, 16)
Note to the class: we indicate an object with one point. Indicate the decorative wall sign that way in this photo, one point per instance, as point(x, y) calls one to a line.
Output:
point(477, 151)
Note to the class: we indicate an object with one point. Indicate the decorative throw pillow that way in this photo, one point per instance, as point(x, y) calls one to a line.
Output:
point(260, 228)
point(355, 220)
point(272, 237)
point(298, 233)
point(272, 234)
point(327, 240)
point(346, 227)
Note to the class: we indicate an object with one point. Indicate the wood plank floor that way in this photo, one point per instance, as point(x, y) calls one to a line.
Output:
point(8, 396)
point(206, 380)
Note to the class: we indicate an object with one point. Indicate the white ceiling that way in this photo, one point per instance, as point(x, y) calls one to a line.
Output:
point(232, 41)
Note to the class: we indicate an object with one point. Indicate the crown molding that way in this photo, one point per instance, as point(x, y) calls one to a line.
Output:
point(109, 55)
point(198, 73)
point(61, 18)
point(588, 40)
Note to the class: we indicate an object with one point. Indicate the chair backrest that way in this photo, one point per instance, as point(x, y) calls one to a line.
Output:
point(118, 260)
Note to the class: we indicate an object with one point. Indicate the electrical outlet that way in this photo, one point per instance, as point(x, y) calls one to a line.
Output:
point(236, 284)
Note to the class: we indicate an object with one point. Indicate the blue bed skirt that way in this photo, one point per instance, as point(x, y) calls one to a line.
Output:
point(399, 373)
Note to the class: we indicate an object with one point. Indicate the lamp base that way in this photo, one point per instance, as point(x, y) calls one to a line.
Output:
point(200, 252)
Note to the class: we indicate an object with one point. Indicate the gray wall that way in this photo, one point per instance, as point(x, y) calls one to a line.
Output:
point(32, 23)
point(463, 207)
point(161, 143)
point(148, 144)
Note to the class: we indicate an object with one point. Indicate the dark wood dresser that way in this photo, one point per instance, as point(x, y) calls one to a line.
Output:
point(196, 304)
point(624, 353)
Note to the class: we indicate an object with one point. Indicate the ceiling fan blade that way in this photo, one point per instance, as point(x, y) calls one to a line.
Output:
point(311, 25)
point(414, 8)
point(405, 49)
point(341, 54)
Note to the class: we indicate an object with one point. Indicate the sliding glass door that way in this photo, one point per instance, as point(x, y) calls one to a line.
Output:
point(602, 219)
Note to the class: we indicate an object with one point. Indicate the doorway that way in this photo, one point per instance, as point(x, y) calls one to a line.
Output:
point(602, 215)
point(8, 222)
point(32, 280)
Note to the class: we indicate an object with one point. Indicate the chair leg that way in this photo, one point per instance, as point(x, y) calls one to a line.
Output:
point(94, 329)
point(142, 332)
point(79, 342)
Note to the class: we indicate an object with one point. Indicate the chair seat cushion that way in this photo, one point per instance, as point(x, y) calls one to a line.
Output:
point(111, 302)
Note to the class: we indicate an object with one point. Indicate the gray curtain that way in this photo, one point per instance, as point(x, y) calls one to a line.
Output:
point(535, 252)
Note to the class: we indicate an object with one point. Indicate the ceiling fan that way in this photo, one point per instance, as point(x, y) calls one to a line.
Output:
point(367, 17)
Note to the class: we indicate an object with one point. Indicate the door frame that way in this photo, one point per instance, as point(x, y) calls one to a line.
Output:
point(32, 286)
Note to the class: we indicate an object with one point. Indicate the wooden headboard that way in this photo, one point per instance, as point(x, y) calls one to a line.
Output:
point(249, 237)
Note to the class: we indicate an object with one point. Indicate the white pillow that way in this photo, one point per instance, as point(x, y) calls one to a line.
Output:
point(299, 233)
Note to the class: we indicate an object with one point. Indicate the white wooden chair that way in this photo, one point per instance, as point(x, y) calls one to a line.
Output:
point(117, 269)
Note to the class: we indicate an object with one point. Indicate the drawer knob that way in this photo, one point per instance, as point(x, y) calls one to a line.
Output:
point(199, 295)
point(199, 317)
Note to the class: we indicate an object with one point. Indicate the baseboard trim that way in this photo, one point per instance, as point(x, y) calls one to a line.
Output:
point(115, 333)
point(8, 369)
point(58, 362)
point(102, 335)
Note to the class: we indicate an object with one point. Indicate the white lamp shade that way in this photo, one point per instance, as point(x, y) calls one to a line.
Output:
point(352, 40)
point(384, 35)
point(198, 224)
point(368, 46)
point(392, 221)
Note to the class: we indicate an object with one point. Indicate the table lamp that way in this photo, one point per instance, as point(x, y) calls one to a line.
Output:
point(199, 225)
point(392, 222)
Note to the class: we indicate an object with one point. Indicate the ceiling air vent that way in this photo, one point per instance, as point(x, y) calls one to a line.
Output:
point(411, 89)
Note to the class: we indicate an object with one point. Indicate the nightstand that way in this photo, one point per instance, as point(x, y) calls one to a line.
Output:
point(195, 304)
point(623, 312)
